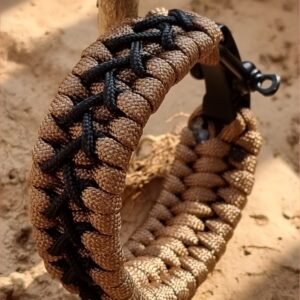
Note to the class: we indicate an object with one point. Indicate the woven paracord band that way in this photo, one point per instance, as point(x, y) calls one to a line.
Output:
point(82, 155)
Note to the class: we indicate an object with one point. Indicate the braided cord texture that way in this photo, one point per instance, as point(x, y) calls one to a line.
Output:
point(81, 158)
point(188, 228)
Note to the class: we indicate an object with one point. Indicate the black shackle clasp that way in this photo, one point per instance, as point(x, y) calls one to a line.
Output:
point(230, 83)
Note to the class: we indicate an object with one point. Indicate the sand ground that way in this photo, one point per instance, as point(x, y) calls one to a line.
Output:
point(39, 43)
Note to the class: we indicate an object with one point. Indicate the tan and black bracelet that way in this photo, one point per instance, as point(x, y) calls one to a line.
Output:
point(86, 140)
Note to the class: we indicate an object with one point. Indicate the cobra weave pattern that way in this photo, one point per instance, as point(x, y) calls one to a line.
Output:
point(81, 158)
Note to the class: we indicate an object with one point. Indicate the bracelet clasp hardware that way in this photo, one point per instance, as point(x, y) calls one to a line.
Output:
point(230, 83)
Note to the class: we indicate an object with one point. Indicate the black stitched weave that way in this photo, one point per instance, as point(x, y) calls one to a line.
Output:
point(63, 206)
point(119, 42)
point(61, 155)
point(136, 60)
point(182, 18)
point(110, 92)
point(167, 36)
point(87, 139)
point(79, 109)
point(56, 204)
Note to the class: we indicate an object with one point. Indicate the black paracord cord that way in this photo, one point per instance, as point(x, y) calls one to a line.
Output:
point(68, 236)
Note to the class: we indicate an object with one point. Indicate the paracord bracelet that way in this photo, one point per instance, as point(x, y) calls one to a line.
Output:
point(82, 154)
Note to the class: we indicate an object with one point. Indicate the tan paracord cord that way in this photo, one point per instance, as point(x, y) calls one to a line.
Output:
point(82, 154)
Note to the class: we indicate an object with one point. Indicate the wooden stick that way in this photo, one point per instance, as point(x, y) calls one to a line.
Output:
point(112, 12)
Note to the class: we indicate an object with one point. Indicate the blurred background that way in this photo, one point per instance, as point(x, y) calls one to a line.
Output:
point(40, 41)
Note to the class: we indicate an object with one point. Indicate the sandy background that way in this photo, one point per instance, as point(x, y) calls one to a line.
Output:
point(39, 43)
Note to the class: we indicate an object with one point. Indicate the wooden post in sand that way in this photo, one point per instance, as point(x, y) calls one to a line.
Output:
point(112, 12)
